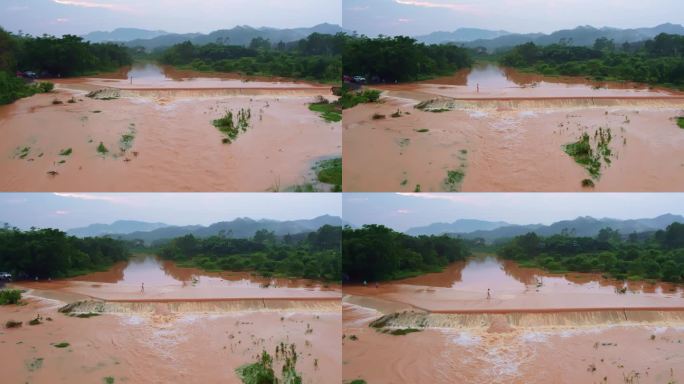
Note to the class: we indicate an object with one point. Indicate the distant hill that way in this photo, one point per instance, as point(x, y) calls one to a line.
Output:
point(240, 35)
point(581, 35)
point(460, 35)
point(458, 226)
point(122, 35)
point(581, 226)
point(115, 228)
point(238, 228)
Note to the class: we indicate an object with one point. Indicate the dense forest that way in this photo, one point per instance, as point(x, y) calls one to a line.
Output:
point(51, 253)
point(390, 59)
point(658, 255)
point(313, 255)
point(50, 56)
point(318, 57)
point(659, 61)
point(375, 253)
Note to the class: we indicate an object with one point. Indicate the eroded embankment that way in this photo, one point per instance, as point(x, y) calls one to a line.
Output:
point(504, 321)
point(201, 306)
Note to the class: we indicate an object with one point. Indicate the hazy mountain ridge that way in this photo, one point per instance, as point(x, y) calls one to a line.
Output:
point(581, 226)
point(581, 35)
point(122, 35)
point(239, 35)
point(461, 35)
point(238, 228)
point(458, 226)
point(117, 227)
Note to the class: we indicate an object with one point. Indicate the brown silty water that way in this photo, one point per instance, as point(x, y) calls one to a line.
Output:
point(535, 328)
point(166, 282)
point(186, 326)
point(174, 146)
point(509, 136)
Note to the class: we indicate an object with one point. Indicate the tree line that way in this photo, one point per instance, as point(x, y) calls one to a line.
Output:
point(51, 253)
point(658, 61)
point(317, 57)
point(401, 58)
point(50, 56)
point(376, 253)
point(313, 255)
point(657, 255)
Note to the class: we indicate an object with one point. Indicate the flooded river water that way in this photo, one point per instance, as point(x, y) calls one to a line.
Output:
point(509, 136)
point(535, 328)
point(155, 133)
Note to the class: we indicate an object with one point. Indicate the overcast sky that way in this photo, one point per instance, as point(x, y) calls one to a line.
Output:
point(71, 210)
point(404, 211)
point(417, 17)
point(58, 17)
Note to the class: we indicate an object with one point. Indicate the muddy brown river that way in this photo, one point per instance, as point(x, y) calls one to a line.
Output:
point(186, 326)
point(508, 136)
point(157, 134)
point(535, 328)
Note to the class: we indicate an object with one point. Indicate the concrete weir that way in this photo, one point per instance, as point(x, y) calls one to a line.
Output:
point(575, 318)
point(201, 306)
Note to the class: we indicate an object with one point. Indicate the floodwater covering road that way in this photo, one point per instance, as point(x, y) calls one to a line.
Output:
point(155, 133)
point(509, 135)
point(535, 328)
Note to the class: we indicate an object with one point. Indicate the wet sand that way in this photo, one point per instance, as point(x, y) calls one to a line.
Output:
point(163, 346)
point(510, 139)
point(175, 146)
point(599, 354)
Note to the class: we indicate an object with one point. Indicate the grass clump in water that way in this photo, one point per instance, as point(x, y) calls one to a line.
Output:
point(13, 324)
point(378, 116)
point(22, 152)
point(680, 122)
point(34, 364)
point(262, 372)
point(583, 153)
point(349, 99)
point(587, 183)
point(330, 172)
point(422, 130)
point(108, 380)
point(63, 344)
point(101, 149)
point(65, 152)
point(85, 315)
point(10, 296)
point(231, 125)
point(330, 112)
point(453, 180)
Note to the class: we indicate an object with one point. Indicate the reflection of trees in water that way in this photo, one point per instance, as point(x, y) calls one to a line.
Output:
point(113, 275)
point(445, 279)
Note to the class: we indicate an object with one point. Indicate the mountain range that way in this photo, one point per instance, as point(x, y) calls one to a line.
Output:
point(238, 228)
point(581, 35)
point(239, 35)
point(581, 226)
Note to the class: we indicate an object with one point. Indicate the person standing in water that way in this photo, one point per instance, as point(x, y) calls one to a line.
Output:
point(489, 294)
point(142, 287)
point(478, 87)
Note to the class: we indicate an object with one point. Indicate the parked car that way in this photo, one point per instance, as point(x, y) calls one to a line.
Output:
point(30, 75)
point(347, 79)
point(359, 79)
point(5, 276)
